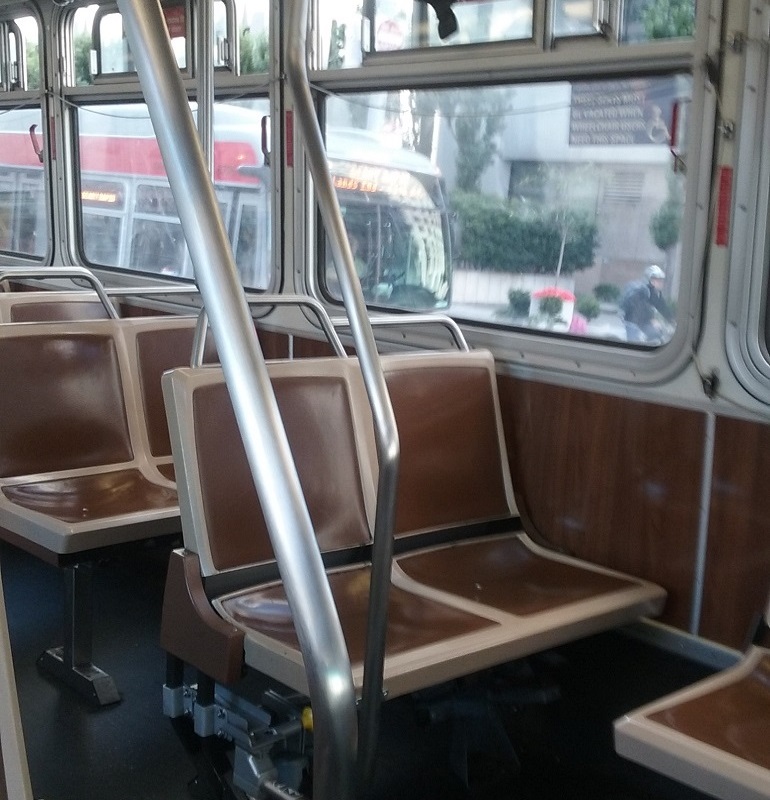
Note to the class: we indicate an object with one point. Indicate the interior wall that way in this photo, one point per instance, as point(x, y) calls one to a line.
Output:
point(618, 482)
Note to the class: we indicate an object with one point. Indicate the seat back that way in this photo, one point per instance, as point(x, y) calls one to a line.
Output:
point(155, 345)
point(453, 468)
point(222, 518)
point(62, 402)
point(48, 306)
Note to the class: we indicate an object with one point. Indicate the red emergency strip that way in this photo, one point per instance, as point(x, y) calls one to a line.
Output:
point(724, 202)
point(289, 138)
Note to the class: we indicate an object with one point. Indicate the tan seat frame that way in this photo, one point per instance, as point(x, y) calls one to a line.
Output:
point(488, 635)
point(713, 735)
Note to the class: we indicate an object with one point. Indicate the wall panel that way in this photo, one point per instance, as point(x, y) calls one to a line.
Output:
point(611, 480)
point(737, 576)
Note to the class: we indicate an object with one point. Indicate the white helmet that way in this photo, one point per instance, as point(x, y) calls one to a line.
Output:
point(654, 272)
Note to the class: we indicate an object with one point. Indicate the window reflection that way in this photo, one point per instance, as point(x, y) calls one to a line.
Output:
point(350, 30)
point(646, 20)
point(23, 209)
point(129, 214)
point(559, 197)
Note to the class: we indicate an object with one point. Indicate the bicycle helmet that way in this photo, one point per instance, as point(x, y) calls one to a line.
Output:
point(654, 273)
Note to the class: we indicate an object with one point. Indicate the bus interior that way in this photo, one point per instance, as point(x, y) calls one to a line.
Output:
point(384, 388)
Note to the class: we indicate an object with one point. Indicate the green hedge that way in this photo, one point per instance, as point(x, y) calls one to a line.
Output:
point(498, 235)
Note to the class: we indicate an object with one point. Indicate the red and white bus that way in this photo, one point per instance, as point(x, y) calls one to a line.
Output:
point(393, 201)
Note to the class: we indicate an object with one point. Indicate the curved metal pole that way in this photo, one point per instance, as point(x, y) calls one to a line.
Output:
point(291, 532)
point(204, 72)
point(15, 780)
point(403, 320)
point(199, 341)
point(366, 347)
point(150, 291)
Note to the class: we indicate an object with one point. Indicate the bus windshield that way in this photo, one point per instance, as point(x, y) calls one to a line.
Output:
point(394, 209)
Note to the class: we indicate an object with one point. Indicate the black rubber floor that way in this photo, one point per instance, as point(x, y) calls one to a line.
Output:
point(538, 730)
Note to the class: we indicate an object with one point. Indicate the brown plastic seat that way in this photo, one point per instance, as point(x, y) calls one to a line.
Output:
point(50, 306)
point(155, 345)
point(76, 472)
point(73, 473)
point(713, 735)
point(453, 473)
point(225, 530)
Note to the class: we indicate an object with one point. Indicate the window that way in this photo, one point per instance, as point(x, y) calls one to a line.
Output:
point(128, 218)
point(648, 20)
point(240, 39)
point(744, 226)
point(534, 205)
point(101, 46)
point(128, 213)
point(23, 214)
point(19, 55)
point(252, 28)
point(350, 31)
point(23, 196)
point(550, 138)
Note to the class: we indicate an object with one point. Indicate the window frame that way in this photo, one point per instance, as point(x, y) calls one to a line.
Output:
point(747, 338)
point(126, 88)
point(19, 98)
point(532, 61)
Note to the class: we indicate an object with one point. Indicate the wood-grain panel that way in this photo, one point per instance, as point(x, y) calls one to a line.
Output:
point(737, 576)
point(276, 345)
point(611, 480)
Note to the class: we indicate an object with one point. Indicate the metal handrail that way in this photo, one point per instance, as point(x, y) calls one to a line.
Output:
point(104, 293)
point(199, 342)
point(149, 291)
point(16, 780)
point(69, 273)
point(398, 320)
point(386, 433)
point(327, 664)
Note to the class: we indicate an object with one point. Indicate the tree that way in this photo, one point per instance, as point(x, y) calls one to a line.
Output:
point(82, 47)
point(667, 221)
point(476, 135)
point(569, 209)
point(33, 66)
point(476, 119)
point(255, 52)
point(337, 45)
point(669, 19)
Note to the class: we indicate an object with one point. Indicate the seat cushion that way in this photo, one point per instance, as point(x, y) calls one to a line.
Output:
point(92, 497)
point(413, 621)
point(734, 718)
point(506, 574)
